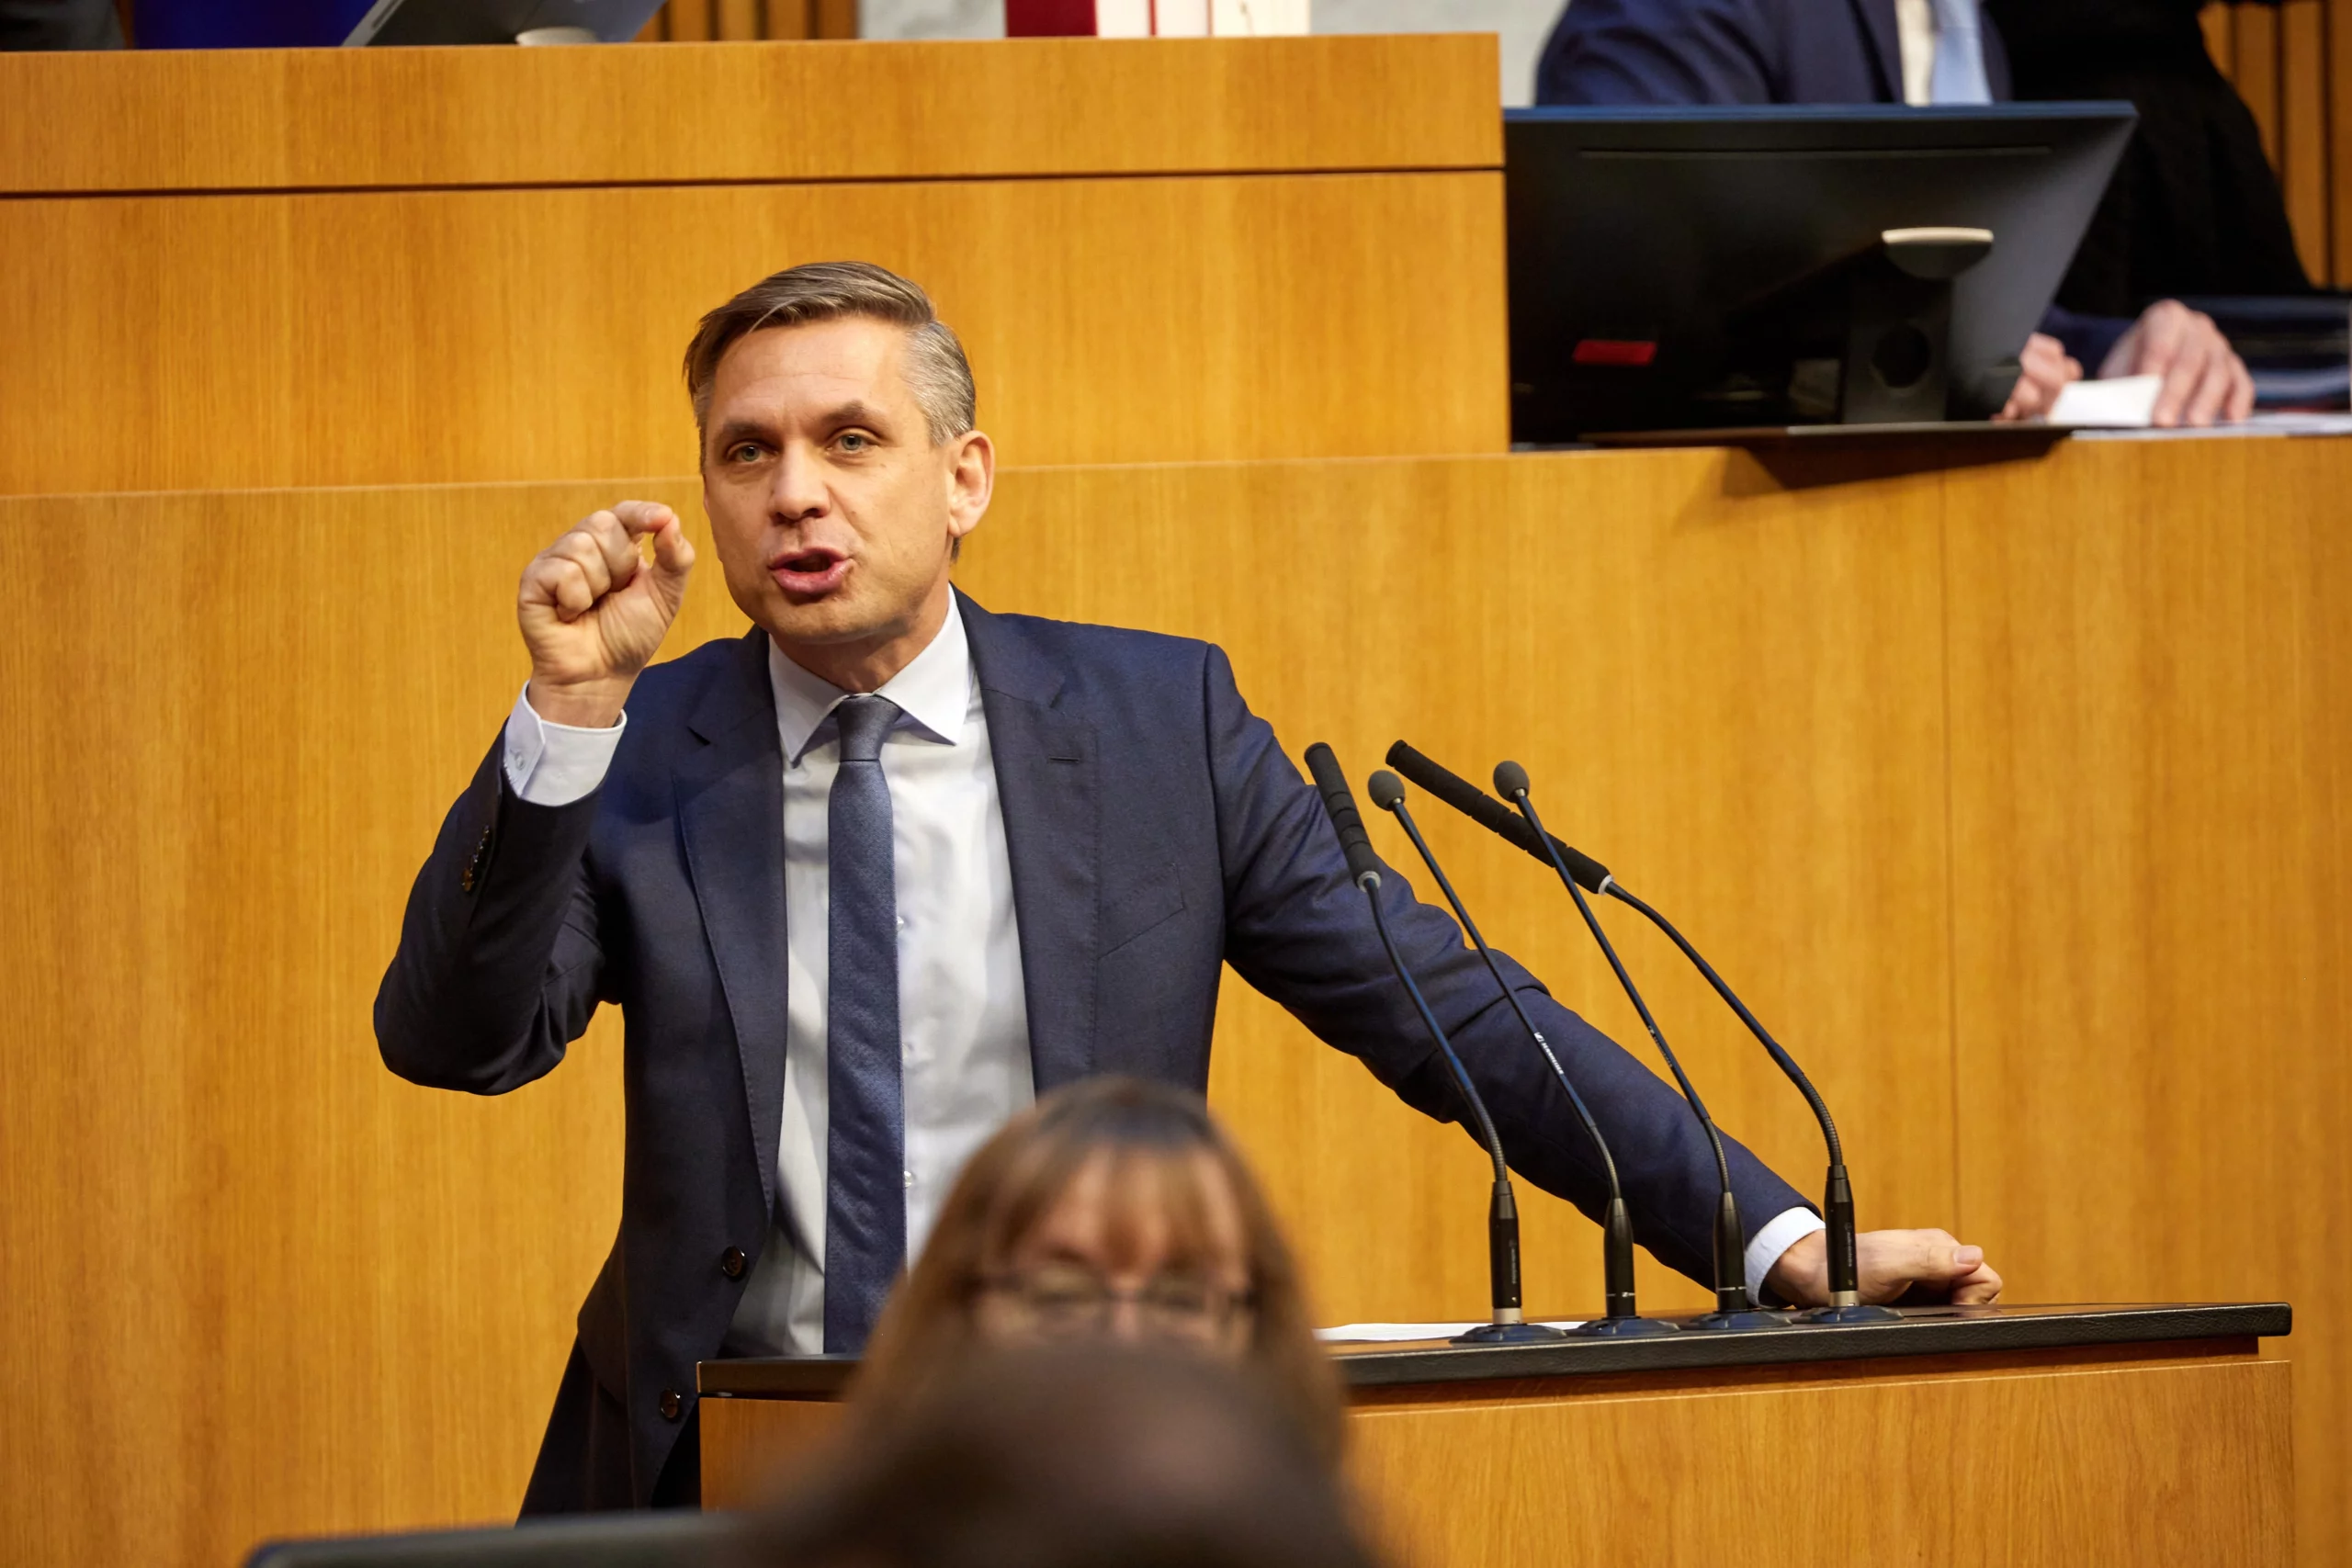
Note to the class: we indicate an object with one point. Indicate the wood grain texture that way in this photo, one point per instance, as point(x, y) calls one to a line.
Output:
point(2150, 706)
point(2339, 139)
point(2255, 73)
point(1723, 690)
point(2157, 1462)
point(327, 119)
point(2302, 138)
point(751, 1447)
point(392, 337)
point(2085, 1010)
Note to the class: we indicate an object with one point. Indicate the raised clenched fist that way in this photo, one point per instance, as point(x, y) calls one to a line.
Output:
point(594, 609)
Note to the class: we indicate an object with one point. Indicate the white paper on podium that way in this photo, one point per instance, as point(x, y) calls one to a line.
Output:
point(1398, 1332)
point(2119, 402)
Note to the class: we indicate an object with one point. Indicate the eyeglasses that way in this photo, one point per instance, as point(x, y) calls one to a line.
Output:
point(1069, 1298)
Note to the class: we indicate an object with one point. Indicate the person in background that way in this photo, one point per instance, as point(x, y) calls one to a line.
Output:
point(2194, 207)
point(1883, 52)
point(1112, 1209)
point(60, 24)
point(1070, 1457)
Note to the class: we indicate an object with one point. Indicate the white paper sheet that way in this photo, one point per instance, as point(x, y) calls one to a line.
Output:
point(2270, 425)
point(1397, 1333)
point(2123, 403)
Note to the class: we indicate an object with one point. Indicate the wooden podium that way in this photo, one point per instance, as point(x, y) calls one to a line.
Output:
point(2065, 1435)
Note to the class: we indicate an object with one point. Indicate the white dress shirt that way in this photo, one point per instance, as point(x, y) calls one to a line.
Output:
point(964, 1019)
point(1914, 36)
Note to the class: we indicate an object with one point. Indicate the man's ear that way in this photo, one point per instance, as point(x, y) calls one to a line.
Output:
point(971, 480)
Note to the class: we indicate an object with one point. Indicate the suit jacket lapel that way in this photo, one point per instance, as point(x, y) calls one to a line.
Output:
point(730, 815)
point(1886, 45)
point(1046, 782)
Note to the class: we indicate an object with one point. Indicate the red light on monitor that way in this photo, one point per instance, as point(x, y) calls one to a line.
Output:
point(1614, 351)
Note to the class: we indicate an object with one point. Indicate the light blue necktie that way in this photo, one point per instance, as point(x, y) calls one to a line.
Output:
point(866, 1138)
point(1958, 76)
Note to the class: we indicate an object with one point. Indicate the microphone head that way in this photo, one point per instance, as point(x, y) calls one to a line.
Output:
point(1387, 790)
point(1511, 780)
point(1340, 805)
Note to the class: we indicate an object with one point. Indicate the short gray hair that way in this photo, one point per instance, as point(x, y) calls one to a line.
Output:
point(937, 372)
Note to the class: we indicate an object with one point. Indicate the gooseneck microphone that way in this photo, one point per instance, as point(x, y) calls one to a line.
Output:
point(1495, 816)
point(1509, 1325)
point(1733, 1309)
point(1845, 1303)
point(1624, 1320)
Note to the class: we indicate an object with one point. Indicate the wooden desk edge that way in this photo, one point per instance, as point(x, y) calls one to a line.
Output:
point(1921, 1346)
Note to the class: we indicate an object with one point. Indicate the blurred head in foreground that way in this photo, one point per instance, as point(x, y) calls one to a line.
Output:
point(1111, 1210)
point(1071, 1457)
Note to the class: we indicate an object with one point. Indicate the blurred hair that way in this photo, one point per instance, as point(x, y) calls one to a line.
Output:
point(1072, 1455)
point(1164, 1149)
point(936, 371)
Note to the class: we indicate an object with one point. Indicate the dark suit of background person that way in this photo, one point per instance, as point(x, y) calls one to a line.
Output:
point(1157, 831)
point(1733, 51)
point(1761, 52)
point(2195, 207)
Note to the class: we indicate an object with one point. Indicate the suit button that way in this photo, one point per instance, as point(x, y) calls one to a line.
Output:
point(671, 1405)
point(731, 1262)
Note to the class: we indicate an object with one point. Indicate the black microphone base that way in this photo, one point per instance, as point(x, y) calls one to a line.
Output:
point(1733, 1322)
point(1622, 1328)
point(1858, 1312)
point(1510, 1334)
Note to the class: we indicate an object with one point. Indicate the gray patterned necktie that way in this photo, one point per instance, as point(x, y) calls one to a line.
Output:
point(865, 1205)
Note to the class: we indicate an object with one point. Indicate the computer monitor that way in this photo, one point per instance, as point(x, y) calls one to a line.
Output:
point(1677, 268)
point(500, 21)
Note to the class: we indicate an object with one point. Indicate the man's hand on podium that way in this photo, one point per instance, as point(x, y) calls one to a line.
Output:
point(594, 610)
point(1916, 1265)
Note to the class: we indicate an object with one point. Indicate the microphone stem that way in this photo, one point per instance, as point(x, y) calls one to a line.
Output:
point(1731, 1283)
point(1502, 1212)
point(1838, 1198)
point(1470, 928)
point(1487, 1134)
point(1617, 1230)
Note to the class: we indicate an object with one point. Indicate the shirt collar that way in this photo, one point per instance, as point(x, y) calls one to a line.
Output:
point(933, 692)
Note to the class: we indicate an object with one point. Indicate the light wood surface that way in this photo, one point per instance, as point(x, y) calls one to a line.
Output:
point(2068, 1459)
point(2149, 819)
point(390, 338)
point(329, 119)
point(2012, 796)
point(751, 1448)
point(1172, 252)
point(2292, 65)
point(2155, 1462)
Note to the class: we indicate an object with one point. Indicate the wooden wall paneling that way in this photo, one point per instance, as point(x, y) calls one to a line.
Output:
point(2036, 1468)
point(248, 120)
point(2303, 130)
point(1728, 691)
point(289, 1293)
point(2339, 139)
point(2150, 769)
point(389, 337)
point(261, 1286)
point(2255, 71)
point(2220, 38)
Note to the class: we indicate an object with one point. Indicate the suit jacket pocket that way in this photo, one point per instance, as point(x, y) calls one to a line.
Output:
point(1158, 898)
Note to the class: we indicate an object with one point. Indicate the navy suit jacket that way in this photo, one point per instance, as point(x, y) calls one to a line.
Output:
point(1733, 51)
point(1156, 831)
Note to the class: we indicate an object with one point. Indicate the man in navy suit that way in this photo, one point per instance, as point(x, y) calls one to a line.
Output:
point(866, 879)
point(1877, 51)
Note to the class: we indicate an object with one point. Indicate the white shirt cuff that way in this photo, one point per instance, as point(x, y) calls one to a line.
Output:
point(555, 764)
point(1785, 1230)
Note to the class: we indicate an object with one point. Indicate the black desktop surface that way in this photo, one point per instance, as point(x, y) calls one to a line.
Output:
point(1636, 235)
point(1917, 1331)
